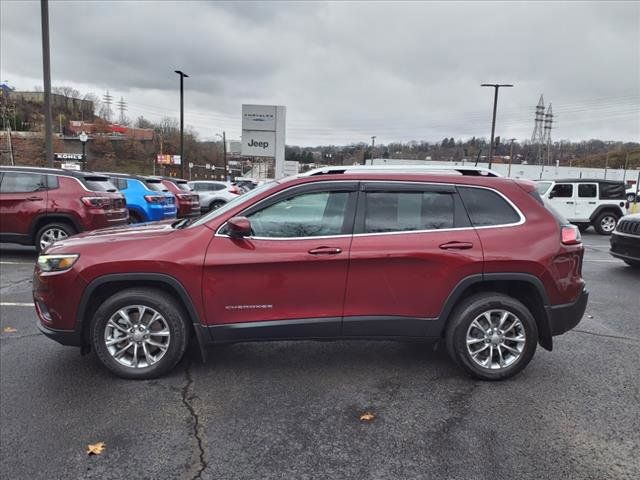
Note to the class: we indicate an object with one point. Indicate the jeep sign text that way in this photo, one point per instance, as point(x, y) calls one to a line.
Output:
point(253, 143)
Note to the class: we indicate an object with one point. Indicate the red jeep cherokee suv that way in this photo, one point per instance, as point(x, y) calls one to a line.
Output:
point(455, 255)
point(188, 201)
point(39, 206)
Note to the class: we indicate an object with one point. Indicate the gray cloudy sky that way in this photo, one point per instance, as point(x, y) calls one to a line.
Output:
point(348, 70)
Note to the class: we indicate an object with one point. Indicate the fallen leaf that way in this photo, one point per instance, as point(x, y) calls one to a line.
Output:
point(590, 316)
point(96, 448)
point(367, 417)
point(9, 330)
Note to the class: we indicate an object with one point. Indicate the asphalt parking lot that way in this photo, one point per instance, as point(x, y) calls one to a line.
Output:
point(291, 410)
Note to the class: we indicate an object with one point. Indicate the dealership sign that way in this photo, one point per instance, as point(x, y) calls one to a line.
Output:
point(168, 159)
point(263, 133)
point(63, 157)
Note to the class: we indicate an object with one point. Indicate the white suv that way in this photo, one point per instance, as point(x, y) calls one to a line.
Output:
point(214, 194)
point(586, 202)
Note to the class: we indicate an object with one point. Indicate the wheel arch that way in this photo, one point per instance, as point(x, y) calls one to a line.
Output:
point(105, 286)
point(41, 220)
point(524, 287)
point(615, 209)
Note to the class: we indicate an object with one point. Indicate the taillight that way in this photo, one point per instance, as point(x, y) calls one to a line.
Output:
point(97, 202)
point(571, 235)
point(234, 189)
point(154, 198)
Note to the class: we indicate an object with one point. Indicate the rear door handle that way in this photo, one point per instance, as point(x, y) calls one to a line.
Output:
point(33, 199)
point(325, 251)
point(456, 246)
point(569, 203)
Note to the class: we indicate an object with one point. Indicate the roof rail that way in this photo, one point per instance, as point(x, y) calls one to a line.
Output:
point(462, 170)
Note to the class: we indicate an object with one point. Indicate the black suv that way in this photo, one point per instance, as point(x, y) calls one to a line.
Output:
point(625, 240)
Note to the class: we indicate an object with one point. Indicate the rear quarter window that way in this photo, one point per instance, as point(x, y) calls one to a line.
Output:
point(98, 184)
point(156, 186)
point(487, 208)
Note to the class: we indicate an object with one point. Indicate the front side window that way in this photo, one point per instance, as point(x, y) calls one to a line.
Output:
point(587, 190)
point(407, 211)
point(306, 215)
point(562, 190)
point(18, 182)
point(486, 208)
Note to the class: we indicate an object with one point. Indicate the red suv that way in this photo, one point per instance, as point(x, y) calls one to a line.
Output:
point(188, 200)
point(39, 206)
point(460, 256)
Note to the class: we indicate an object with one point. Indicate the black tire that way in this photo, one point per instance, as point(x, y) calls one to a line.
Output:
point(216, 204)
point(54, 226)
point(162, 303)
point(466, 312)
point(602, 218)
point(583, 227)
point(632, 263)
point(134, 217)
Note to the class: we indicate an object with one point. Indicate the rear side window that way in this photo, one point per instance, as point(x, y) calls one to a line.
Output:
point(98, 184)
point(407, 211)
point(18, 182)
point(183, 186)
point(587, 190)
point(486, 208)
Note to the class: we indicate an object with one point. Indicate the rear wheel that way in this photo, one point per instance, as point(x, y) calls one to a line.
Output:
point(134, 217)
point(491, 336)
point(139, 333)
point(605, 224)
point(52, 233)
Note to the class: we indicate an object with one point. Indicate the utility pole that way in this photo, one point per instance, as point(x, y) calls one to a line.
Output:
point(510, 156)
point(122, 106)
point(224, 155)
point(373, 145)
point(606, 165)
point(182, 159)
point(46, 70)
point(495, 86)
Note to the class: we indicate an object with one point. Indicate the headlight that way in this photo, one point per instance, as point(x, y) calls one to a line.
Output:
point(57, 263)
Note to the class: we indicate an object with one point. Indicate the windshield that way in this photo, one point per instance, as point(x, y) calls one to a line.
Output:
point(156, 186)
point(99, 184)
point(542, 187)
point(183, 186)
point(233, 203)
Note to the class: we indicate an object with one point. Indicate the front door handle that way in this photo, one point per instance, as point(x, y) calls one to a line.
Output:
point(456, 246)
point(569, 203)
point(325, 251)
point(34, 199)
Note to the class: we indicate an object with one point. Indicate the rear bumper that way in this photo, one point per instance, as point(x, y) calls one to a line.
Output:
point(563, 318)
point(65, 337)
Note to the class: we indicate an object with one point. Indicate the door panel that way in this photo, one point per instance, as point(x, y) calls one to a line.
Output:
point(586, 200)
point(563, 199)
point(22, 197)
point(412, 246)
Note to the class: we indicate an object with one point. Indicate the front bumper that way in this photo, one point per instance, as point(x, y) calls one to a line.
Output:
point(563, 318)
point(65, 337)
point(625, 247)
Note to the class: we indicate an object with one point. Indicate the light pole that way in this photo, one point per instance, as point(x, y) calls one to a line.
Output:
point(83, 139)
point(46, 74)
point(182, 75)
point(496, 86)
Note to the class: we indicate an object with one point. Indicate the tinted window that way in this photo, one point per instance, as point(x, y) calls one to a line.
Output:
point(52, 182)
point(307, 215)
point(156, 186)
point(587, 190)
point(487, 208)
point(98, 184)
point(15, 182)
point(183, 186)
point(562, 190)
point(406, 211)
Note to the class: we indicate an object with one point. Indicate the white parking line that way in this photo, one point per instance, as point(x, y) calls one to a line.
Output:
point(15, 263)
point(15, 304)
point(602, 261)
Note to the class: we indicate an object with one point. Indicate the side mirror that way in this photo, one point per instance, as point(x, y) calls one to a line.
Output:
point(239, 227)
point(550, 196)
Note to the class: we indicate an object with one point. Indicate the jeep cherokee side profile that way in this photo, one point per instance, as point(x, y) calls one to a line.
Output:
point(453, 255)
point(39, 206)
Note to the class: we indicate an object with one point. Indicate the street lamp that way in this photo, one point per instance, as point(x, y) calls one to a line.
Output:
point(83, 139)
point(182, 75)
point(496, 86)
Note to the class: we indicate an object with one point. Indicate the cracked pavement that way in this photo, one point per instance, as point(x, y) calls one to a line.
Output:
point(290, 409)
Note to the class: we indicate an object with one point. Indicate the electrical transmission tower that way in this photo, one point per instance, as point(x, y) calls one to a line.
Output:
point(122, 106)
point(538, 135)
point(548, 125)
point(106, 109)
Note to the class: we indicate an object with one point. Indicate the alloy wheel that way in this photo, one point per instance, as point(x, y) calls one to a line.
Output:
point(51, 235)
point(496, 339)
point(137, 336)
point(608, 223)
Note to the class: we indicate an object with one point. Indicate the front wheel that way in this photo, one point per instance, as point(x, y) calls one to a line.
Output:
point(492, 336)
point(605, 224)
point(139, 333)
point(632, 263)
point(52, 233)
point(216, 204)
